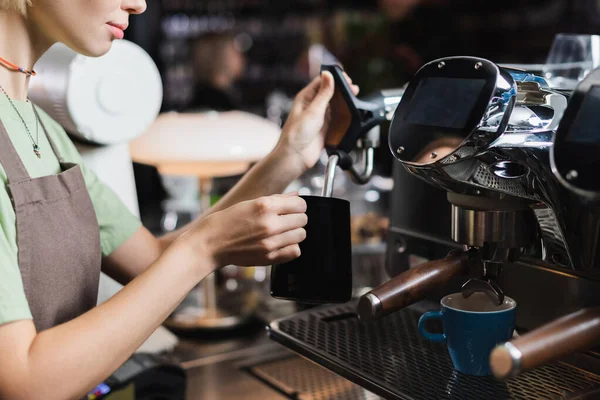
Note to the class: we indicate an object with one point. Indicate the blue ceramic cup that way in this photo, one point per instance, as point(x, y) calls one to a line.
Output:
point(472, 328)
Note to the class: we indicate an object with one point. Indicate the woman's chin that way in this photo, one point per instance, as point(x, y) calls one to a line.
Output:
point(96, 49)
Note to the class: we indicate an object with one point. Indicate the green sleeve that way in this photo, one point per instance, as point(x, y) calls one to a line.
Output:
point(13, 303)
point(117, 223)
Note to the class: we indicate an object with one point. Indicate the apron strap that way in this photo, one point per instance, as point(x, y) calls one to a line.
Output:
point(10, 160)
point(54, 148)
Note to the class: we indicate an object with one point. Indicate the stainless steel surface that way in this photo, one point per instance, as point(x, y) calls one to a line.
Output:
point(305, 380)
point(487, 286)
point(330, 170)
point(367, 146)
point(369, 305)
point(560, 273)
point(514, 354)
point(554, 249)
point(526, 141)
point(494, 119)
point(250, 366)
point(211, 363)
point(391, 100)
point(537, 108)
point(508, 229)
point(368, 163)
point(224, 379)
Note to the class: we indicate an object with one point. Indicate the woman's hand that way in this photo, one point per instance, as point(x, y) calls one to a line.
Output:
point(303, 136)
point(258, 232)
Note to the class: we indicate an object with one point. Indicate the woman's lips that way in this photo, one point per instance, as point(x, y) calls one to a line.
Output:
point(117, 32)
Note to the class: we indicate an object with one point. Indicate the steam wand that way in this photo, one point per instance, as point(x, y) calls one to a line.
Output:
point(330, 169)
point(360, 177)
point(367, 146)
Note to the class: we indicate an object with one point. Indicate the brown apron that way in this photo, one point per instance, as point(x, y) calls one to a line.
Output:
point(57, 236)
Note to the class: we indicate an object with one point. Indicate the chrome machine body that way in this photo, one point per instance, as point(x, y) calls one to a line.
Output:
point(484, 135)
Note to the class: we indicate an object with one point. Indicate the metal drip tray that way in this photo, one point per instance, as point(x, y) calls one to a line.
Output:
point(304, 380)
point(389, 358)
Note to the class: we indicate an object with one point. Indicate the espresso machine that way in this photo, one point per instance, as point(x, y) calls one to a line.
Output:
point(481, 134)
point(575, 160)
point(496, 192)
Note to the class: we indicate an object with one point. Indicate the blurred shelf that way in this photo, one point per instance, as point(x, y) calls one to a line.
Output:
point(368, 248)
point(263, 8)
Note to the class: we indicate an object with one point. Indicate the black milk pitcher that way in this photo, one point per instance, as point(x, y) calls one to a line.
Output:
point(323, 272)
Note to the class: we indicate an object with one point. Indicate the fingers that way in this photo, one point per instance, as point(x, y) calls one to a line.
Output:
point(283, 240)
point(321, 90)
point(289, 222)
point(285, 254)
point(324, 95)
point(280, 205)
point(327, 90)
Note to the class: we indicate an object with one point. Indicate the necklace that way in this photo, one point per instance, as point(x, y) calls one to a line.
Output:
point(36, 148)
point(17, 68)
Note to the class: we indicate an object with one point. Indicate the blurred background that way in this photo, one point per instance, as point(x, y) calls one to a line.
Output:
point(255, 55)
point(244, 51)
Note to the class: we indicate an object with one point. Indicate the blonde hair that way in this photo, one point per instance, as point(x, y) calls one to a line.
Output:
point(15, 5)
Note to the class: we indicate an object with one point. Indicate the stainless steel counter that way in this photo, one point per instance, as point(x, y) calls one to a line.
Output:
point(225, 376)
point(215, 364)
point(249, 366)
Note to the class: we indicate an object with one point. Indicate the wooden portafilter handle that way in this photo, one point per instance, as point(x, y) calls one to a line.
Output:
point(575, 332)
point(413, 285)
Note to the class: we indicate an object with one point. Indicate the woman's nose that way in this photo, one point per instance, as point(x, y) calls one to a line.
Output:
point(134, 6)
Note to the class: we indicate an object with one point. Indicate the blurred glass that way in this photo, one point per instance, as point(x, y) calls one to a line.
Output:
point(570, 59)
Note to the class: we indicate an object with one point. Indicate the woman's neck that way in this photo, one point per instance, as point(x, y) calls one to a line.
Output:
point(20, 44)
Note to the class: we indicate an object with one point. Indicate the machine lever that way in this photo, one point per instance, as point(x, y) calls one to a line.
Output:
point(413, 285)
point(575, 332)
point(353, 120)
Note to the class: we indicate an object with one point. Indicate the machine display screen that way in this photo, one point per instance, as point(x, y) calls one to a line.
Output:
point(586, 128)
point(444, 102)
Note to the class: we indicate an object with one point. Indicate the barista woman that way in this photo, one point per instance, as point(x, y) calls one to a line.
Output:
point(59, 225)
